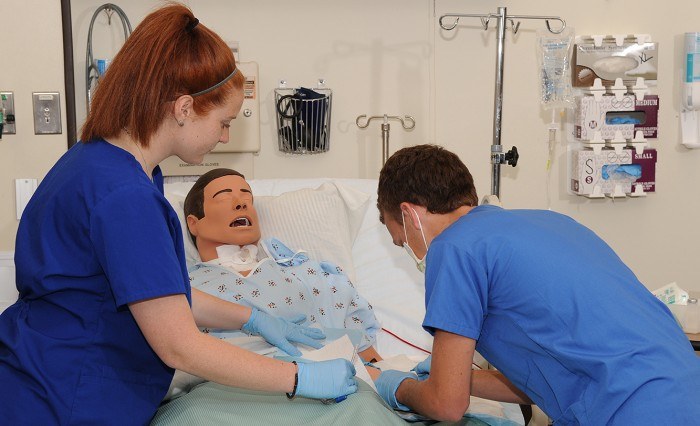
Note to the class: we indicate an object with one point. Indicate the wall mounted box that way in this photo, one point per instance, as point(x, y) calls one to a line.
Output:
point(609, 61)
point(589, 170)
point(649, 106)
point(593, 116)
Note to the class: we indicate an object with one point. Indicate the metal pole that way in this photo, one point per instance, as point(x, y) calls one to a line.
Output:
point(497, 156)
point(385, 141)
point(496, 148)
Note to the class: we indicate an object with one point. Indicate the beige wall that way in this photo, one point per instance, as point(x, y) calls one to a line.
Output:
point(391, 57)
point(31, 61)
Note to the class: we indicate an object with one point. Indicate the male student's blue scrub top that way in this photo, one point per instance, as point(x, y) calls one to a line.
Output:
point(555, 309)
point(97, 235)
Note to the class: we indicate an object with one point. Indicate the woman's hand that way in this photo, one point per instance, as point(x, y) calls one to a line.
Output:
point(326, 379)
point(280, 332)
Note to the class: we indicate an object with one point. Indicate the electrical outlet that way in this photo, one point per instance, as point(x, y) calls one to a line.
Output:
point(47, 113)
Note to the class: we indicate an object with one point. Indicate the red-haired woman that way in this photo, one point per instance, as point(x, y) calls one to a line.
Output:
point(105, 310)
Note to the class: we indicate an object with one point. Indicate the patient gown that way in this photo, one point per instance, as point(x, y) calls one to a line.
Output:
point(286, 285)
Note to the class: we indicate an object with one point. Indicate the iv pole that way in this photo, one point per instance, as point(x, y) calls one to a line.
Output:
point(407, 122)
point(497, 155)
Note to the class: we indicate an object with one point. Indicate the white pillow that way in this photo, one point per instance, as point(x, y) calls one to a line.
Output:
point(323, 221)
point(175, 193)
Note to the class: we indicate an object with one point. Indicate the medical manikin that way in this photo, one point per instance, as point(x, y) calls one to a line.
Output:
point(265, 274)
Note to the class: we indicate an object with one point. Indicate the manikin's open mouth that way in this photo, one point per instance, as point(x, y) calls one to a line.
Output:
point(240, 221)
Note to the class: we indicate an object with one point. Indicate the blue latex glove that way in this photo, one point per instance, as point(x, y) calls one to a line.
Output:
point(388, 382)
point(326, 379)
point(280, 332)
point(423, 367)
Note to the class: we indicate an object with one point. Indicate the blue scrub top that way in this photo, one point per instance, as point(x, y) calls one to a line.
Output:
point(97, 235)
point(556, 310)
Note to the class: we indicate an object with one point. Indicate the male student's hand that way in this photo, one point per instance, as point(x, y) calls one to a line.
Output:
point(387, 384)
point(423, 368)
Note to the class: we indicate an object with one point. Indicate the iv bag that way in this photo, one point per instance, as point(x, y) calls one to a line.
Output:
point(554, 61)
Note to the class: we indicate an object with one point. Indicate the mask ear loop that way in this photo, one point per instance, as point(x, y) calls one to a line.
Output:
point(420, 226)
point(403, 222)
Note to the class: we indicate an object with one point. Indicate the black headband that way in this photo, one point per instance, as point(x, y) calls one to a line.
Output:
point(191, 25)
point(217, 85)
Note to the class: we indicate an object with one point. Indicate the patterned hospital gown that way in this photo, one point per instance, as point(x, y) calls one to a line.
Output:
point(289, 287)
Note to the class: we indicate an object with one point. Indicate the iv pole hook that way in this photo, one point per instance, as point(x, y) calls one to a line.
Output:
point(407, 122)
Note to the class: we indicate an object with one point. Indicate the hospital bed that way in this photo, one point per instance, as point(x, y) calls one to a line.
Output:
point(335, 220)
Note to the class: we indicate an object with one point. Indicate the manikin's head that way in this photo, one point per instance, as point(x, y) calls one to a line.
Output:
point(219, 210)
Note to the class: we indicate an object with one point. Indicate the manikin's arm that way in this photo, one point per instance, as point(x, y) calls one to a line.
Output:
point(370, 355)
point(445, 394)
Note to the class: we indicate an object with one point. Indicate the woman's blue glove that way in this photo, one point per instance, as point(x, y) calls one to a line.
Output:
point(326, 379)
point(280, 332)
point(388, 382)
point(423, 368)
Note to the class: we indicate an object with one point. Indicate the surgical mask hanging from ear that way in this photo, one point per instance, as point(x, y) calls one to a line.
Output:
point(420, 263)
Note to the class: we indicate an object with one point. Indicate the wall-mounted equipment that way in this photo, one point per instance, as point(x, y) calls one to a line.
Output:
point(690, 92)
point(7, 113)
point(609, 57)
point(407, 122)
point(303, 118)
point(596, 174)
point(615, 117)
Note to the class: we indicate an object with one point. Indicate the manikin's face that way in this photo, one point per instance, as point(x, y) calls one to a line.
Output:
point(229, 214)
